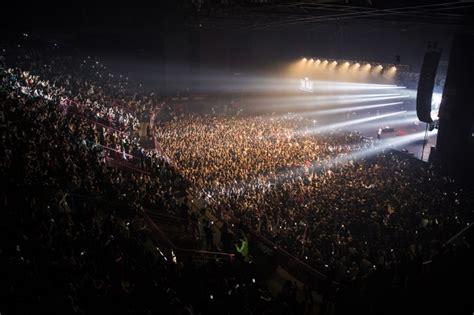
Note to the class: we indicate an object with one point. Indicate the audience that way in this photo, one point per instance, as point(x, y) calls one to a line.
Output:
point(75, 239)
point(347, 218)
point(78, 183)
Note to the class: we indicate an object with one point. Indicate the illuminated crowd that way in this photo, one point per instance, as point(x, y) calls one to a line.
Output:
point(74, 238)
point(79, 181)
point(347, 217)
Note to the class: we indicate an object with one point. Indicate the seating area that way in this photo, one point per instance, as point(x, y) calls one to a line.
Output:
point(85, 206)
point(73, 225)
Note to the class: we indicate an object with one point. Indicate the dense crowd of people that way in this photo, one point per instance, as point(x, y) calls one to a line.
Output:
point(347, 217)
point(74, 238)
point(79, 183)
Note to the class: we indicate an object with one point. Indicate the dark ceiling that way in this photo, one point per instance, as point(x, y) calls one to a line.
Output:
point(265, 14)
point(246, 14)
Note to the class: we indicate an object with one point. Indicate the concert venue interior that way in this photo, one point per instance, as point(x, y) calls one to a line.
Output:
point(237, 157)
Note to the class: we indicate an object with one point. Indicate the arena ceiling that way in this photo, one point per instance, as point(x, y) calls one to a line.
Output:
point(273, 14)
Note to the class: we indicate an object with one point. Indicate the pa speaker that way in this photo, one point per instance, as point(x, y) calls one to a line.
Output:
point(426, 85)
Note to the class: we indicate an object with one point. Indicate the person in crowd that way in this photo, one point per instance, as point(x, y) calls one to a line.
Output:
point(243, 248)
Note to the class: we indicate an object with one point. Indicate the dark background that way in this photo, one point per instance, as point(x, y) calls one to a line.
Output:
point(166, 43)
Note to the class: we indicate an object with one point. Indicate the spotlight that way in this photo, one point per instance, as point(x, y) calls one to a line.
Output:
point(318, 61)
point(334, 62)
point(346, 63)
point(357, 65)
point(394, 68)
point(325, 61)
point(304, 59)
point(369, 65)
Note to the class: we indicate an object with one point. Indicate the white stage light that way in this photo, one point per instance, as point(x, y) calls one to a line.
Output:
point(344, 124)
point(355, 108)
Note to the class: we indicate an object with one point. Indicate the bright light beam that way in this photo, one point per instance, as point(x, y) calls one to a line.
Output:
point(310, 99)
point(339, 83)
point(387, 143)
point(352, 109)
point(348, 87)
point(351, 122)
point(390, 123)
point(352, 101)
point(351, 96)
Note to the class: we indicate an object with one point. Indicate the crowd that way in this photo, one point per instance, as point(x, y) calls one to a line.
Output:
point(349, 218)
point(78, 182)
point(74, 238)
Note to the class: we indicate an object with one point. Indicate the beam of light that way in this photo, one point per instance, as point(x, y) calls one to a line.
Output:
point(355, 83)
point(394, 142)
point(252, 83)
point(255, 83)
point(329, 102)
point(327, 87)
point(411, 120)
point(293, 101)
point(364, 71)
point(345, 124)
point(336, 102)
point(323, 85)
point(351, 96)
point(342, 69)
point(311, 103)
point(331, 69)
point(353, 109)
point(377, 70)
point(390, 73)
